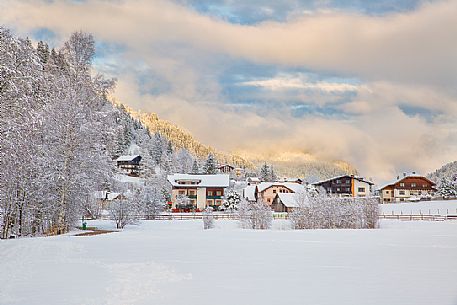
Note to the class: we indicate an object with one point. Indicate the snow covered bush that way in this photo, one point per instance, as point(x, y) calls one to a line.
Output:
point(126, 209)
point(153, 201)
point(208, 218)
point(232, 201)
point(256, 215)
point(447, 188)
point(327, 212)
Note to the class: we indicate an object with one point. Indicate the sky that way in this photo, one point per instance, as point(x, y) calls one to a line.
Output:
point(373, 83)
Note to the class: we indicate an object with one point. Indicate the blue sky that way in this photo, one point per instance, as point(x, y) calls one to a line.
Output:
point(370, 82)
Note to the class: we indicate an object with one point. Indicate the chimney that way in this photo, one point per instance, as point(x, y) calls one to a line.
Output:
point(404, 174)
point(398, 177)
point(414, 173)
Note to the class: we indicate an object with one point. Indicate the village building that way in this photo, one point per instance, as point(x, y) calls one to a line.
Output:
point(253, 180)
point(408, 187)
point(284, 202)
point(129, 164)
point(292, 180)
point(233, 172)
point(250, 193)
point(201, 189)
point(346, 186)
point(267, 191)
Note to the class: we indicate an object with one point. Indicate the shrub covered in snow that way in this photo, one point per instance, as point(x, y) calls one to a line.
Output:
point(208, 218)
point(255, 215)
point(323, 212)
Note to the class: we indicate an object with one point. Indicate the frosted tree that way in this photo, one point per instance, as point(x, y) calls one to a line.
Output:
point(195, 169)
point(210, 165)
point(126, 209)
point(232, 201)
point(255, 215)
point(447, 188)
point(153, 201)
point(208, 218)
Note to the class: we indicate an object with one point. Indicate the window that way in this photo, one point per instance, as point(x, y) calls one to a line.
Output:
point(387, 192)
point(361, 189)
point(210, 193)
point(218, 193)
point(338, 181)
point(402, 184)
point(348, 181)
point(401, 192)
point(218, 202)
point(338, 189)
point(268, 200)
point(348, 189)
point(182, 192)
point(413, 184)
point(274, 191)
point(424, 185)
point(191, 192)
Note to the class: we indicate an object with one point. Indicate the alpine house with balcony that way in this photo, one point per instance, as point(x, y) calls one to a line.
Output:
point(201, 190)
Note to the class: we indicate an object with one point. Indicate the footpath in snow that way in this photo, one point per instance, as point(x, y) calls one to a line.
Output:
point(177, 262)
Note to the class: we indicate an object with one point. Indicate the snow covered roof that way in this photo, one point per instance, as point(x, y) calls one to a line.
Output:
point(196, 180)
point(343, 176)
point(253, 179)
point(100, 194)
point(402, 177)
point(288, 199)
point(249, 193)
point(127, 158)
point(295, 187)
point(112, 196)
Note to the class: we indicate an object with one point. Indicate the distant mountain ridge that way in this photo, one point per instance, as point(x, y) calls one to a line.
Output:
point(287, 164)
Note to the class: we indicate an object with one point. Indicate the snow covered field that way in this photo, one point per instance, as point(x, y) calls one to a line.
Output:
point(177, 262)
point(445, 207)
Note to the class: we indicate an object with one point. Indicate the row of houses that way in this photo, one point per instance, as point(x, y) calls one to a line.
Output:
point(209, 190)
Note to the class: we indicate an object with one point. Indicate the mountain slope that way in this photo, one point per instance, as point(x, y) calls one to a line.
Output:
point(284, 164)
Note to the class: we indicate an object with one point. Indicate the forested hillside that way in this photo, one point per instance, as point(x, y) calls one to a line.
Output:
point(60, 135)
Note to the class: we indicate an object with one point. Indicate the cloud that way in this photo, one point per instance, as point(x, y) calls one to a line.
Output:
point(171, 59)
point(415, 46)
point(285, 83)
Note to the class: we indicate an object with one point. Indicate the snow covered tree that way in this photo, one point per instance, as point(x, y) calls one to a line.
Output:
point(232, 200)
point(127, 208)
point(447, 188)
point(208, 218)
point(153, 200)
point(210, 165)
point(255, 215)
point(195, 169)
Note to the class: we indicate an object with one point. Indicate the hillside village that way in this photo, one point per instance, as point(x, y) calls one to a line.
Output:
point(195, 191)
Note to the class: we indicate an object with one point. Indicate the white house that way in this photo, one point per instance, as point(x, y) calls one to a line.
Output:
point(201, 189)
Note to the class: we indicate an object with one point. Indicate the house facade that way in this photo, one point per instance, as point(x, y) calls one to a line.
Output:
point(408, 187)
point(201, 190)
point(267, 191)
point(129, 164)
point(284, 202)
point(346, 186)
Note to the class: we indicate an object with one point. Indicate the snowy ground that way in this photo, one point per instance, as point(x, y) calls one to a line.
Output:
point(177, 262)
point(445, 207)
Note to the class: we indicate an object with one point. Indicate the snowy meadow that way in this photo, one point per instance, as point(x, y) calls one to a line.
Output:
point(178, 262)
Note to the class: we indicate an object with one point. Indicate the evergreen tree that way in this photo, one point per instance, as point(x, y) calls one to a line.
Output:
point(195, 169)
point(210, 165)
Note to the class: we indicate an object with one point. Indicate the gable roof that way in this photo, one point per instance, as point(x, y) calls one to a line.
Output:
point(343, 176)
point(288, 199)
point(295, 187)
point(401, 178)
point(203, 180)
point(127, 158)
